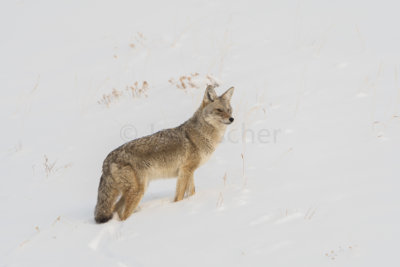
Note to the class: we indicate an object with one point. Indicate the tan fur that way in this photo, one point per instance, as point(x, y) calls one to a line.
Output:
point(175, 152)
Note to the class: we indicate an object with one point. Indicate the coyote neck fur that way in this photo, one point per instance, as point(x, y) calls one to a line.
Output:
point(202, 133)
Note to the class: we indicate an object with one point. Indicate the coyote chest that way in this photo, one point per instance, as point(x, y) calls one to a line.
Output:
point(205, 156)
point(209, 146)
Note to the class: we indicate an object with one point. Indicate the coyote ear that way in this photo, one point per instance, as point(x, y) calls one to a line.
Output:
point(210, 94)
point(228, 94)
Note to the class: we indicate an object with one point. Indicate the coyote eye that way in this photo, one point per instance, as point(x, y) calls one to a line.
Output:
point(219, 110)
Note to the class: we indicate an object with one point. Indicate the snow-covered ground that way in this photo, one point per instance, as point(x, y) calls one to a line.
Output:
point(308, 175)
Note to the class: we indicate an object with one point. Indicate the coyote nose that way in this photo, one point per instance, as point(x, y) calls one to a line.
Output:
point(231, 119)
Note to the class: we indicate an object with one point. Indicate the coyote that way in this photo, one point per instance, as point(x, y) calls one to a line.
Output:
point(175, 152)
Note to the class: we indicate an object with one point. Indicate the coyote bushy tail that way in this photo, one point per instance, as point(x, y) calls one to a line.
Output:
point(104, 207)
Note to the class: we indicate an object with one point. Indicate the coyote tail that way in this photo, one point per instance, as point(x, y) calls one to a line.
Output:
point(103, 211)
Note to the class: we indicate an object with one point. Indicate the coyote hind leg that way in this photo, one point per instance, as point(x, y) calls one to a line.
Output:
point(131, 198)
point(119, 207)
point(131, 189)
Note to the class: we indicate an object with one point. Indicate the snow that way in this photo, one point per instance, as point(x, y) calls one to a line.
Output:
point(306, 176)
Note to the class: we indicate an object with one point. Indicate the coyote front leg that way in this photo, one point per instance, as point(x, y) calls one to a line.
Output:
point(185, 178)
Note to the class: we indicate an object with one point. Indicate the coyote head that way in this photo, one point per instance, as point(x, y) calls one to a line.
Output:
point(217, 110)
